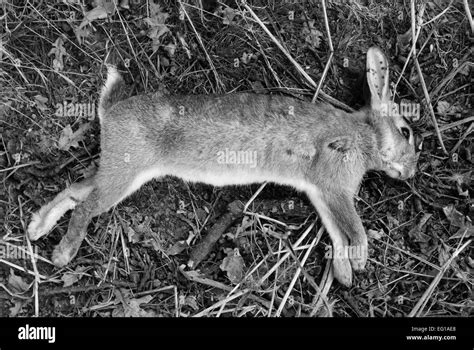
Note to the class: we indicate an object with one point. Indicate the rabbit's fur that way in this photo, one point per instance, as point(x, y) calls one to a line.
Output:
point(315, 148)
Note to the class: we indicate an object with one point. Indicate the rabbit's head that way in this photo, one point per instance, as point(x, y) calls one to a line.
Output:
point(396, 143)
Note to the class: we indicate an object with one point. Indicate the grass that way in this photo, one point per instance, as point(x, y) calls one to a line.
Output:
point(134, 261)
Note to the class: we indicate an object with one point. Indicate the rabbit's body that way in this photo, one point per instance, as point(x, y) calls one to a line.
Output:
point(243, 145)
point(234, 139)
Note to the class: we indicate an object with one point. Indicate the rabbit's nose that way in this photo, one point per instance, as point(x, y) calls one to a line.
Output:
point(418, 139)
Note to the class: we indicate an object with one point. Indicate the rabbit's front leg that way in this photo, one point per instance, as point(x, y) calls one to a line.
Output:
point(341, 264)
point(341, 205)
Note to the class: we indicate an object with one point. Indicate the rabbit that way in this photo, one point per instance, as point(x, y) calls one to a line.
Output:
point(237, 139)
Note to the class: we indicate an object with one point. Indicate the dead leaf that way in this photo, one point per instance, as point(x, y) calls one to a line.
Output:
point(416, 233)
point(40, 102)
point(156, 21)
point(70, 139)
point(177, 248)
point(443, 107)
point(59, 52)
point(17, 307)
point(247, 57)
point(171, 49)
point(69, 278)
point(4, 107)
point(457, 219)
point(188, 301)
point(133, 237)
point(81, 33)
point(229, 14)
point(374, 234)
point(17, 283)
point(312, 35)
point(101, 11)
point(234, 265)
point(131, 307)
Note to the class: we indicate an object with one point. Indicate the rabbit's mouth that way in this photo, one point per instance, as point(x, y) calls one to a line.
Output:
point(397, 171)
point(394, 173)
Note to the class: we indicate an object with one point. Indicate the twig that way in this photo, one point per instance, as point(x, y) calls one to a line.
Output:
point(325, 285)
point(463, 137)
point(331, 53)
point(308, 277)
point(297, 274)
point(19, 166)
point(211, 64)
point(420, 305)
point(88, 288)
point(450, 126)
point(469, 16)
point(296, 64)
point(204, 247)
point(219, 285)
point(423, 85)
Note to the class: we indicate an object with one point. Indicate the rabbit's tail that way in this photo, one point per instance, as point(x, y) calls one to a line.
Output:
point(113, 91)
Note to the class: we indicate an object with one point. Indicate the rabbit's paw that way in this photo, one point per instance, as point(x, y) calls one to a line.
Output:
point(342, 271)
point(63, 254)
point(38, 226)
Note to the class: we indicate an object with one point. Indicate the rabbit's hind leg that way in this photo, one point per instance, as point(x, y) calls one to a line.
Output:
point(44, 220)
point(112, 187)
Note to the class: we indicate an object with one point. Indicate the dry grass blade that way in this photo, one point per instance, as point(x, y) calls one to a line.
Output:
point(331, 52)
point(420, 305)
point(296, 275)
point(420, 74)
point(220, 85)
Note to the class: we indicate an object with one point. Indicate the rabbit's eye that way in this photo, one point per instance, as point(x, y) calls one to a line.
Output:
point(405, 132)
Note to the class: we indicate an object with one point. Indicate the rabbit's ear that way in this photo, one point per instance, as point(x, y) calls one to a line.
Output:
point(377, 78)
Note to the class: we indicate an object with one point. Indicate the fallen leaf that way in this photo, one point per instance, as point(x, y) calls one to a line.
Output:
point(156, 21)
point(17, 307)
point(69, 278)
point(101, 11)
point(247, 57)
point(229, 14)
point(374, 234)
point(416, 233)
point(457, 219)
point(171, 49)
point(443, 107)
point(40, 102)
point(59, 52)
point(234, 265)
point(312, 35)
point(70, 139)
point(17, 283)
point(188, 301)
point(177, 248)
point(131, 307)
